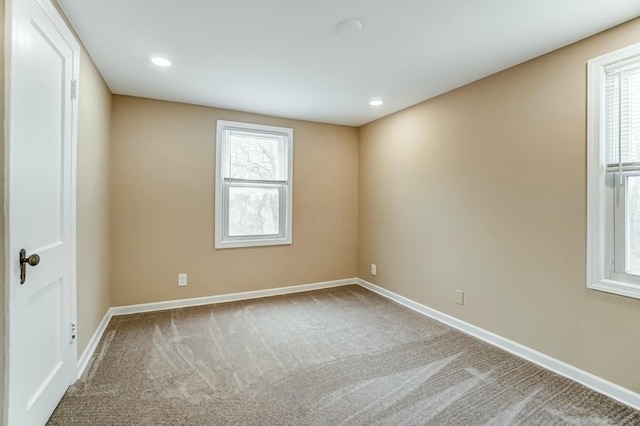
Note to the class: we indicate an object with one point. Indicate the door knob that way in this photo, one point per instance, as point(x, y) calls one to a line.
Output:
point(32, 260)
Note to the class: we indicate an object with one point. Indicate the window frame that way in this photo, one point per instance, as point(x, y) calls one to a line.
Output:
point(601, 192)
point(285, 189)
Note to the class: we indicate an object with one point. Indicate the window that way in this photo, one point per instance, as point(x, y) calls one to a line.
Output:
point(613, 192)
point(253, 185)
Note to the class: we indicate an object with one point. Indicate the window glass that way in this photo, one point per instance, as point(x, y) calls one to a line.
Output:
point(254, 211)
point(633, 225)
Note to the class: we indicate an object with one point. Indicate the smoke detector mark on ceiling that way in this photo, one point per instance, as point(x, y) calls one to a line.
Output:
point(349, 27)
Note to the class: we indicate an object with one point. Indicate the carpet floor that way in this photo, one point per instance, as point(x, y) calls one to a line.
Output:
point(342, 356)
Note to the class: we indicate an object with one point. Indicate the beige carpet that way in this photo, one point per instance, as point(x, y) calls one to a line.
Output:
point(341, 356)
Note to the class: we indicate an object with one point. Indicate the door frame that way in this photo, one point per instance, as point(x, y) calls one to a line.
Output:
point(11, 269)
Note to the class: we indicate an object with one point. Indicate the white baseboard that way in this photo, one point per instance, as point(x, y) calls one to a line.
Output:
point(83, 361)
point(591, 381)
point(184, 303)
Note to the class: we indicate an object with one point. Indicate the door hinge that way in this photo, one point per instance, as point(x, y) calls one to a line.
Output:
point(74, 90)
point(74, 330)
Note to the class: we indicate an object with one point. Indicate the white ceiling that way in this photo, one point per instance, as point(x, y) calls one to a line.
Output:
point(284, 57)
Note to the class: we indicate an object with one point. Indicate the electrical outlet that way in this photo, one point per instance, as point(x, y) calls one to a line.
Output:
point(460, 297)
point(182, 280)
point(373, 269)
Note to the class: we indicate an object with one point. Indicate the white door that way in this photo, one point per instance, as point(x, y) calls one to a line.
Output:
point(40, 202)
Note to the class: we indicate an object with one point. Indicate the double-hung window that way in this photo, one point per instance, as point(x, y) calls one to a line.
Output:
point(613, 216)
point(253, 185)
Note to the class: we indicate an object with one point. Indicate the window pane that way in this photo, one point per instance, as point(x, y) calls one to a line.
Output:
point(254, 157)
point(622, 114)
point(253, 211)
point(612, 116)
point(633, 225)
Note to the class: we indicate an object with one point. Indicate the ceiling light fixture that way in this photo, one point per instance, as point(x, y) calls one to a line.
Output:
point(376, 102)
point(161, 62)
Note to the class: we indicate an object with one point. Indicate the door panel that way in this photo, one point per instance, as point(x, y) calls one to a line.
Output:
point(45, 368)
point(41, 134)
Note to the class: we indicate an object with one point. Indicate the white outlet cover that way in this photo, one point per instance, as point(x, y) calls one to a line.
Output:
point(373, 269)
point(182, 280)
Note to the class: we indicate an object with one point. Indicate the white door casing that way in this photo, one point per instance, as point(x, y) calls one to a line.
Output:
point(42, 61)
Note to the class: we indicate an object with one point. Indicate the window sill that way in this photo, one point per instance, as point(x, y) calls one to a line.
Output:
point(617, 287)
point(256, 243)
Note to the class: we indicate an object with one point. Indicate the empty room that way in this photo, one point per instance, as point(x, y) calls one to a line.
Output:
point(349, 212)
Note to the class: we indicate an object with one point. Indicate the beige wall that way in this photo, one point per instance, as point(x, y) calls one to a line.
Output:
point(483, 189)
point(94, 125)
point(92, 212)
point(162, 208)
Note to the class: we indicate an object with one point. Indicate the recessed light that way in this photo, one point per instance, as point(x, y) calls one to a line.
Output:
point(161, 62)
point(376, 102)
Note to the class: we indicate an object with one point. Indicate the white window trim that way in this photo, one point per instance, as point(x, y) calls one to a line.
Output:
point(599, 244)
point(219, 229)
